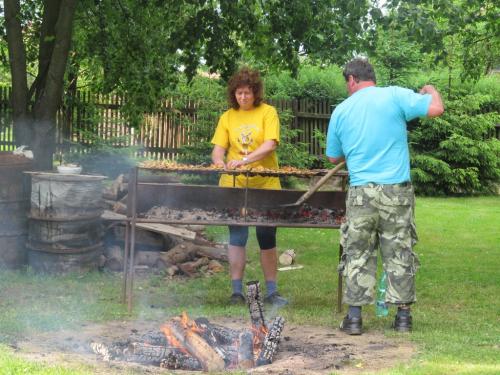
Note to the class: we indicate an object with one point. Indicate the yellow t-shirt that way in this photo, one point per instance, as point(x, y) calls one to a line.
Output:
point(240, 133)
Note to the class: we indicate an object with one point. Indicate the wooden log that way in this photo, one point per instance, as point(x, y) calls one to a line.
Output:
point(215, 267)
point(217, 253)
point(172, 270)
point(287, 258)
point(181, 361)
point(148, 354)
point(255, 305)
point(190, 268)
point(271, 342)
point(245, 350)
point(108, 352)
point(148, 258)
point(181, 253)
point(217, 334)
point(209, 359)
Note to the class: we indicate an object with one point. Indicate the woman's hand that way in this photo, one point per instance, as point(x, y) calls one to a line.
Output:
point(218, 154)
point(233, 164)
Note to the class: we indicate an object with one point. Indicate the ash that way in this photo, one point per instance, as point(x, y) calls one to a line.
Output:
point(304, 214)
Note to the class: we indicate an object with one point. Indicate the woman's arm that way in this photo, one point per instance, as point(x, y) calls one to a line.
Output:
point(260, 153)
point(218, 153)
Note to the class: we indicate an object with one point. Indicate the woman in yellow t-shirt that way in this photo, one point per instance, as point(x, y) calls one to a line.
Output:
point(248, 134)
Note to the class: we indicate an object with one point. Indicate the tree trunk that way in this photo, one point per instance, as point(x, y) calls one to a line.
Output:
point(36, 128)
point(17, 60)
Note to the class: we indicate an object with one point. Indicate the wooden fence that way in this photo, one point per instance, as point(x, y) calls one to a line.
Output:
point(93, 118)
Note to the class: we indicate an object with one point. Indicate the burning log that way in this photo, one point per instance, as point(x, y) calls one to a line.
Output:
point(187, 337)
point(255, 305)
point(270, 345)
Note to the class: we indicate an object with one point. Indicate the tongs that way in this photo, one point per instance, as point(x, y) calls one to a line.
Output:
point(315, 187)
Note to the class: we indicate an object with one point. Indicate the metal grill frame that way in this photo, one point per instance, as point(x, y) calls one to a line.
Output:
point(132, 219)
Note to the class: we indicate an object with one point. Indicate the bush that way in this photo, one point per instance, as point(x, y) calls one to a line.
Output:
point(456, 153)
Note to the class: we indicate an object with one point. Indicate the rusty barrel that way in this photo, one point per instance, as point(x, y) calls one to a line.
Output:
point(65, 226)
point(14, 192)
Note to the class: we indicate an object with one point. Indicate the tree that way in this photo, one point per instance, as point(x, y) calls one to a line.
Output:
point(137, 48)
point(451, 30)
point(35, 107)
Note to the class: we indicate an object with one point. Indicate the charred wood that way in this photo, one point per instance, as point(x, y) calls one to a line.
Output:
point(149, 354)
point(181, 361)
point(108, 352)
point(255, 305)
point(271, 342)
point(245, 350)
point(217, 334)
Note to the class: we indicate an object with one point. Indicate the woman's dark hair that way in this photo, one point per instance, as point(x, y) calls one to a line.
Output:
point(360, 69)
point(245, 77)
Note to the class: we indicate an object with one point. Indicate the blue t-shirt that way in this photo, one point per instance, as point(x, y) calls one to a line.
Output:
point(369, 130)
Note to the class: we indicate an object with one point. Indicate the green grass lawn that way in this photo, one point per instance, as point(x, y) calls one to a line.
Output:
point(456, 319)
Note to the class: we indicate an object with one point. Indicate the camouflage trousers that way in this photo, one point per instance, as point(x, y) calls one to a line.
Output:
point(379, 216)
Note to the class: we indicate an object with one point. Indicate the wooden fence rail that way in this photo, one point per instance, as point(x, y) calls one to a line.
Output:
point(94, 118)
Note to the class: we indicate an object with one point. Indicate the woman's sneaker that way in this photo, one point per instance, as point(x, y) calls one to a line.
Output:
point(351, 326)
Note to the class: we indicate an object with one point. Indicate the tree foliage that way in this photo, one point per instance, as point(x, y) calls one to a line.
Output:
point(458, 33)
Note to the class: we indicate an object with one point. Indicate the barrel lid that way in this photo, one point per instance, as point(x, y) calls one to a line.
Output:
point(9, 159)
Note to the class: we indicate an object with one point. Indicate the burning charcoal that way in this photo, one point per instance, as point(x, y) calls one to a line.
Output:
point(270, 345)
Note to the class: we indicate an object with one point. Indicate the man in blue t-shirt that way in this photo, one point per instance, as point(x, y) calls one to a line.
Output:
point(368, 130)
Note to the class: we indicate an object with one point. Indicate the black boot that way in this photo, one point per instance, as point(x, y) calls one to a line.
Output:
point(403, 320)
point(351, 326)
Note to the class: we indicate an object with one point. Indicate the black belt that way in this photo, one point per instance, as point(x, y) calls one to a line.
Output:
point(400, 184)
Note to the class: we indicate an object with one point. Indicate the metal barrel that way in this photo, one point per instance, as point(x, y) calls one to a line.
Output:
point(14, 204)
point(65, 227)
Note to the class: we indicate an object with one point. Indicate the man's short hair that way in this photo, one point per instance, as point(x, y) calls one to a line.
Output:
point(360, 69)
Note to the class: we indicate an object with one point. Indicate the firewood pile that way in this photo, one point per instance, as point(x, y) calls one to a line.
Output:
point(173, 249)
point(197, 344)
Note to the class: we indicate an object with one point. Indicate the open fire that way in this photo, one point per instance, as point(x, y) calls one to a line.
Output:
point(187, 344)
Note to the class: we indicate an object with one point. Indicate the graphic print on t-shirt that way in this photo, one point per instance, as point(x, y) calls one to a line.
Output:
point(246, 136)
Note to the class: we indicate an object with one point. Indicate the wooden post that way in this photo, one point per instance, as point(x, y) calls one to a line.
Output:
point(339, 283)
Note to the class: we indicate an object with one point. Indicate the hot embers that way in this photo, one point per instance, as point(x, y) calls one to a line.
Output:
point(303, 214)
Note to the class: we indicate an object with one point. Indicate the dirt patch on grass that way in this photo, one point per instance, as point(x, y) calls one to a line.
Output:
point(303, 350)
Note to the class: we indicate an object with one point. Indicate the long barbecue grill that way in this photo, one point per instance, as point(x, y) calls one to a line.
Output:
point(189, 204)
